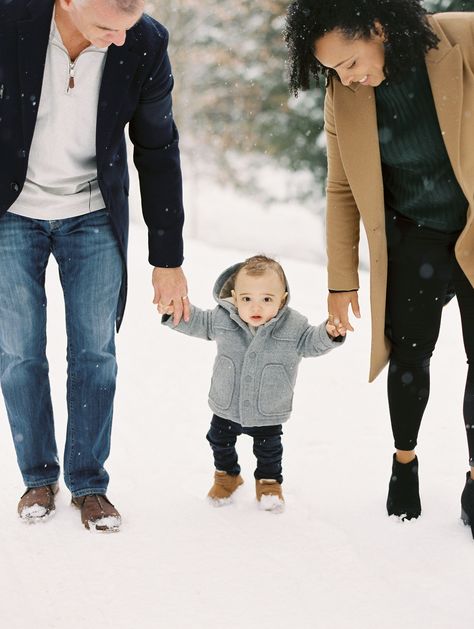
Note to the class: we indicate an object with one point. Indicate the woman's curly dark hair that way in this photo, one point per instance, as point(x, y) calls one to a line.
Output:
point(408, 36)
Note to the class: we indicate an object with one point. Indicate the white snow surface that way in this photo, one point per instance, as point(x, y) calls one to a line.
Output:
point(332, 560)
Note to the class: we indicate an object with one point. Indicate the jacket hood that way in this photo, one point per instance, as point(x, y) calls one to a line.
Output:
point(223, 287)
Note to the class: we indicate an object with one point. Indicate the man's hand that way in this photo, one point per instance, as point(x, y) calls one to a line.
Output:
point(338, 309)
point(171, 293)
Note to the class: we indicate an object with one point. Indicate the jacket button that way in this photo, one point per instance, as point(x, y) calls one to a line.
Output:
point(14, 186)
point(248, 378)
point(246, 403)
point(252, 354)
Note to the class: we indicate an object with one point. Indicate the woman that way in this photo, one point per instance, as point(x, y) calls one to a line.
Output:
point(399, 120)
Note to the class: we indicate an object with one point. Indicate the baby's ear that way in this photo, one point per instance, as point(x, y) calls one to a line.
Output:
point(232, 294)
point(283, 300)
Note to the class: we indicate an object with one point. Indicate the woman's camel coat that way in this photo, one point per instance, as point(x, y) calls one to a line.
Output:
point(355, 186)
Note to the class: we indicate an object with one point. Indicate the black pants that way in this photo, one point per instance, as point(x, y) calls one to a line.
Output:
point(267, 447)
point(422, 270)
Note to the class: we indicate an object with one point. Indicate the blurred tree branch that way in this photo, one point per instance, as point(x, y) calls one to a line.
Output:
point(231, 98)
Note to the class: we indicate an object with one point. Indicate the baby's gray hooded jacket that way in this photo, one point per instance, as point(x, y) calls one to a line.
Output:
point(254, 371)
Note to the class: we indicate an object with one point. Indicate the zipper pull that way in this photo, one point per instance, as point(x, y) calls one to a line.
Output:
point(71, 76)
point(1, 91)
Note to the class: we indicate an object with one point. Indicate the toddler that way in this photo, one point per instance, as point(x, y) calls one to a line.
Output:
point(260, 342)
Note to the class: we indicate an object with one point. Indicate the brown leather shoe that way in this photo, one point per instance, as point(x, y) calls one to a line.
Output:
point(223, 488)
point(37, 503)
point(98, 513)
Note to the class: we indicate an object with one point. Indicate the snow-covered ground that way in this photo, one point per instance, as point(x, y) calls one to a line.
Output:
point(333, 560)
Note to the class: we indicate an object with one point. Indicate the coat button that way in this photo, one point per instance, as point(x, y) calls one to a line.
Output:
point(252, 354)
point(246, 403)
point(248, 378)
point(14, 186)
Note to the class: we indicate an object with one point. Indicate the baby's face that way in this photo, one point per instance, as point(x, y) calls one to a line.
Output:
point(258, 298)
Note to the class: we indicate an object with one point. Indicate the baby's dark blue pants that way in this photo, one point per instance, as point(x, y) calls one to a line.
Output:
point(267, 447)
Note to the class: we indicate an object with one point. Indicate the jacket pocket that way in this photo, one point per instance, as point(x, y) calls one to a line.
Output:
point(222, 383)
point(275, 394)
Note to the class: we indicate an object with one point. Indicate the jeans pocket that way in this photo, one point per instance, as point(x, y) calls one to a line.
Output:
point(222, 383)
point(275, 394)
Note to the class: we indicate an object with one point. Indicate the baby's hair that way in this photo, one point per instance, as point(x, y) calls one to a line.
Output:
point(257, 265)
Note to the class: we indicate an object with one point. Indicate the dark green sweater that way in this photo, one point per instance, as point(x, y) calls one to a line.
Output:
point(419, 181)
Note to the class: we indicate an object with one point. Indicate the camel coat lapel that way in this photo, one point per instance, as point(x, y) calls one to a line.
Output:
point(452, 84)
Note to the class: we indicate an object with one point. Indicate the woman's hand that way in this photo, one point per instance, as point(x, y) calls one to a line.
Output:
point(338, 309)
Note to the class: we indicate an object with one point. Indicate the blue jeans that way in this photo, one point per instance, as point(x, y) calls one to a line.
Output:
point(90, 269)
point(267, 447)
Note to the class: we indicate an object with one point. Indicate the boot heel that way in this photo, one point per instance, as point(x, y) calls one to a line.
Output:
point(465, 518)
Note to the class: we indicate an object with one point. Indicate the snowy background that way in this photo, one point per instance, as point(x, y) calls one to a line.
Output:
point(333, 560)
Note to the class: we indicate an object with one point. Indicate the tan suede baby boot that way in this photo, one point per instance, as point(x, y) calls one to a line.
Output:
point(269, 495)
point(224, 486)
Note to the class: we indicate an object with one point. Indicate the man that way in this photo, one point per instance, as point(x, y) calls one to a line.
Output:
point(73, 73)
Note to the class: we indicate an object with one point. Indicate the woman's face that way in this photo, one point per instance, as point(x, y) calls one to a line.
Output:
point(355, 60)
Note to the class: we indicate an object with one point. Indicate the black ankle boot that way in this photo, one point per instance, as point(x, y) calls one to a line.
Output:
point(403, 490)
point(467, 503)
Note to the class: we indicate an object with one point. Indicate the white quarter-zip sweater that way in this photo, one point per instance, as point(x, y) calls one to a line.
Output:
point(61, 180)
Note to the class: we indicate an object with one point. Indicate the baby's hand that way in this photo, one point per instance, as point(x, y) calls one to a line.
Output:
point(335, 330)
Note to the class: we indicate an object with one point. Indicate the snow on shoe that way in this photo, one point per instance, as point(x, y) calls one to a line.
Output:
point(271, 503)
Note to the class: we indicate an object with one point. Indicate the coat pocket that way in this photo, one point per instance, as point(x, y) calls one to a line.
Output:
point(222, 383)
point(275, 394)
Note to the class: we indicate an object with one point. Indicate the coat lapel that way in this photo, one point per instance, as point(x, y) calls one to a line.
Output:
point(33, 37)
point(120, 68)
point(445, 72)
point(355, 112)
